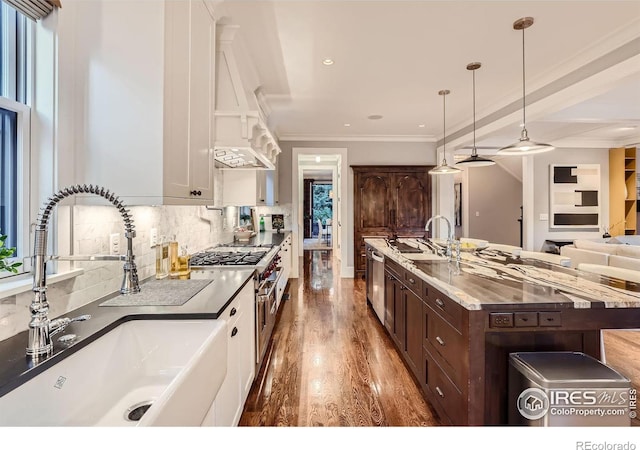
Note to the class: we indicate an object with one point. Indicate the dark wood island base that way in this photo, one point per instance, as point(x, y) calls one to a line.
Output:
point(460, 356)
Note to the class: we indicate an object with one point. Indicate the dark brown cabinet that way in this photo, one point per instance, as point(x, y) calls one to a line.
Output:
point(403, 315)
point(388, 200)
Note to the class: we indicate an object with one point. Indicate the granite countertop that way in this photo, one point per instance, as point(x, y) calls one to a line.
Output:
point(489, 280)
point(208, 303)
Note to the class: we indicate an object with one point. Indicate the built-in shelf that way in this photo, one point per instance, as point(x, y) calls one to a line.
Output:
point(622, 184)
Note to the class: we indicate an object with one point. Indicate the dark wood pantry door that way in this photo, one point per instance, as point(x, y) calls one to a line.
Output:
point(388, 200)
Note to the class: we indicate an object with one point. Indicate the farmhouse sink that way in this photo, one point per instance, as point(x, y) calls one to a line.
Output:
point(176, 366)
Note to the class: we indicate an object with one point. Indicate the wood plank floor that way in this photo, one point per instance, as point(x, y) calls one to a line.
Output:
point(331, 362)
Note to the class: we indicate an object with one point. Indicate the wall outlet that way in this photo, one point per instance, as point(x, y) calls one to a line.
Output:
point(114, 244)
point(544, 217)
point(153, 237)
point(477, 213)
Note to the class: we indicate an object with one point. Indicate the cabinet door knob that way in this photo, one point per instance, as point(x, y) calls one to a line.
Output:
point(439, 391)
point(233, 312)
point(412, 281)
point(440, 341)
point(440, 303)
point(234, 331)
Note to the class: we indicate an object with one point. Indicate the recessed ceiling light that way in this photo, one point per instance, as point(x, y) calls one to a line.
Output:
point(327, 61)
point(317, 159)
point(421, 125)
point(347, 124)
point(374, 117)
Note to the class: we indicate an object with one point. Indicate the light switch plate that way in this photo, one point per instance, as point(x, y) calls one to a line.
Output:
point(153, 237)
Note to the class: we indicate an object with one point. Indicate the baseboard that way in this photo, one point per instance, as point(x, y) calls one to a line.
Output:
point(347, 272)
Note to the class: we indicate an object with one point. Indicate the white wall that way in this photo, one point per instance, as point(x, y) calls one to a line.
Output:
point(541, 230)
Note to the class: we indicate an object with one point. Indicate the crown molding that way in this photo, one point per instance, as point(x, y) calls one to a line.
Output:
point(361, 138)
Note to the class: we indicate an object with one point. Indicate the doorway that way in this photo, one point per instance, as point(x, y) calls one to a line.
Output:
point(317, 185)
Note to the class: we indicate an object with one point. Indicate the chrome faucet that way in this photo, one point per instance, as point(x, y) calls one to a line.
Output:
point(450, 237)
point(41, 329)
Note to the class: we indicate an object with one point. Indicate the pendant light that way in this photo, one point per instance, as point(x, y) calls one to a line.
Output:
point(444, 168)
point(524, 146)
point(474, 160)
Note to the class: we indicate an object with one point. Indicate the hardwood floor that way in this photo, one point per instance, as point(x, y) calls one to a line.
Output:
point(622, 350)
point(331, 362)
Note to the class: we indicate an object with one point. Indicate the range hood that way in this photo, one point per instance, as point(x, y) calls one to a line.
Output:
point(242, 138)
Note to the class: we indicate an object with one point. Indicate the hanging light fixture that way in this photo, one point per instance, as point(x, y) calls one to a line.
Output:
point(474, 160)
point(444, 168)
point(524, 146)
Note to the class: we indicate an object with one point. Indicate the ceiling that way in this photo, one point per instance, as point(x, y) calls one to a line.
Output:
point(392, 57)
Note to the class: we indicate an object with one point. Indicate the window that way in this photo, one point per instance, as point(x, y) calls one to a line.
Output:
point(14, 129)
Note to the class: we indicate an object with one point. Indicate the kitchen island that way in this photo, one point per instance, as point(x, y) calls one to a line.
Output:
point(455, 324)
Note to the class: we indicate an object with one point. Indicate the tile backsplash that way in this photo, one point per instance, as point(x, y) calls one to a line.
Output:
point(194, 227)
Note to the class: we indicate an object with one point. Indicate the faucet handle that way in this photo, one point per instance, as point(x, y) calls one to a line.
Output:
point(58, 325)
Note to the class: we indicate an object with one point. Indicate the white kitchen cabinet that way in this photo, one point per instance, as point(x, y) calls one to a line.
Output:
point(138, 101)
point(248, 187)
point(241, 360)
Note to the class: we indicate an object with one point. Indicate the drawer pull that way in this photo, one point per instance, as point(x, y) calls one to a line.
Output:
point(440, 341)
point(440, 303)
point(412, 281)
point(234, 331)
point(439, 391)
point(233, 312)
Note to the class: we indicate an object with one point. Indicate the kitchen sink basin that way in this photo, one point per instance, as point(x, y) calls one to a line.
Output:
point(175, 366)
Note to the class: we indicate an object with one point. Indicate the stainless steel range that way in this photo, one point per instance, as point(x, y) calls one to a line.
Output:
point(265, 261)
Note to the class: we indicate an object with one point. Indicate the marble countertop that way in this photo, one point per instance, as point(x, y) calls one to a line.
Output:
point(489, 279)
point(209, 303)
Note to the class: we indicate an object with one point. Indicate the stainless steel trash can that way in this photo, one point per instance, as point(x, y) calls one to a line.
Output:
point(566, 389)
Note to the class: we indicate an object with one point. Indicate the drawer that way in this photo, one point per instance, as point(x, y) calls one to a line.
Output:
point(447, 308)
point(525, 319)
point(414, 283)
point(447, 396)
point(395, 268)
point(446, 341)
point(550, 318)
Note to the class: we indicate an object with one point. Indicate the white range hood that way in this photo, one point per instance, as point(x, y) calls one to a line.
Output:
point(242, 138)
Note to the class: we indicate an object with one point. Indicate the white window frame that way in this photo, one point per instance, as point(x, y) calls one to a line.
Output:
point(23, 142)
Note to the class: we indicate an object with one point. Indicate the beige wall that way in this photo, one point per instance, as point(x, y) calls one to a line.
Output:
point(495, 197)
point(541, 194)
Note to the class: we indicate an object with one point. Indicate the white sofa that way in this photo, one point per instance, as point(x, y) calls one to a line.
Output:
point(620, 251)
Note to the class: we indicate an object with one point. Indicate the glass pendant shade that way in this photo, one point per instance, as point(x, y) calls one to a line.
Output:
point(475, 160)
point(444, 168)
point(524, 146)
